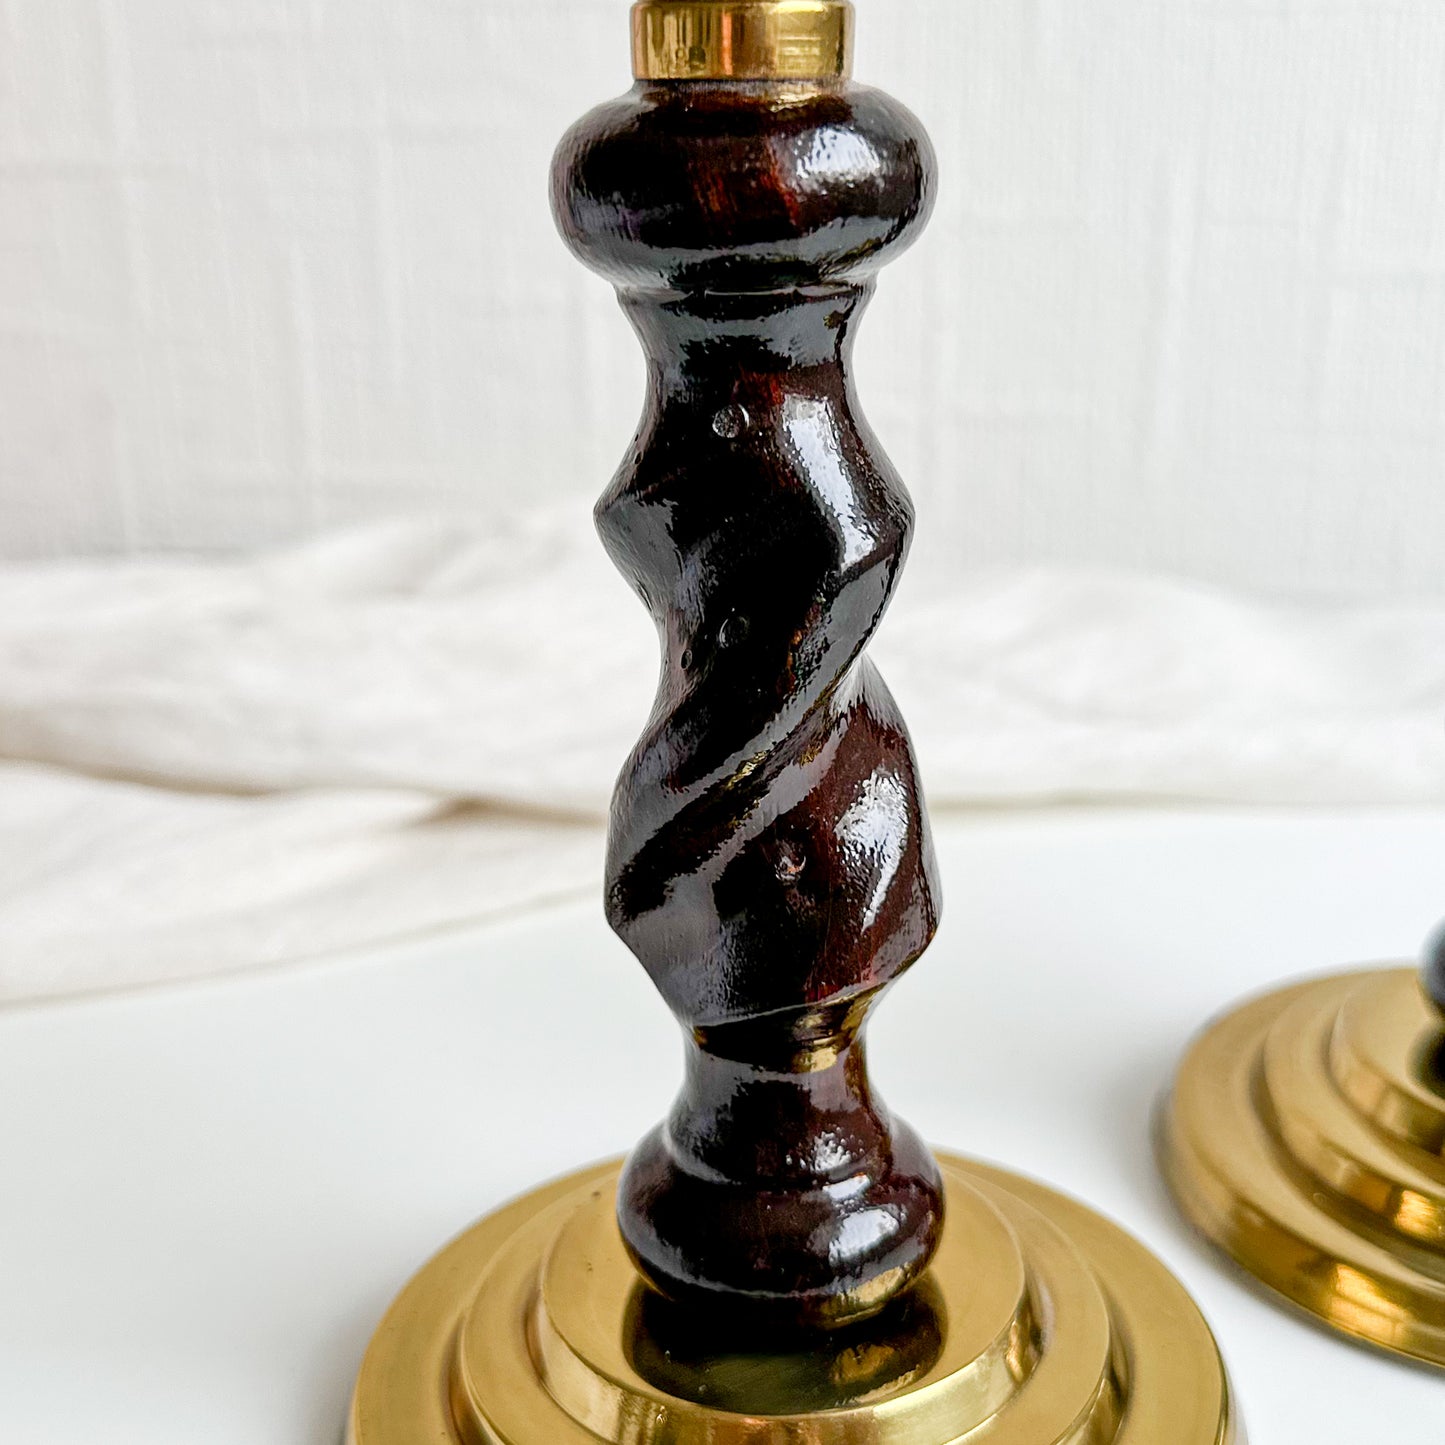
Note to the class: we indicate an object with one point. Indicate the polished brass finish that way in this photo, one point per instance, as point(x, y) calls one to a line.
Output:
point(1305, 1138)
point(1039, 1323)
point(742, 39)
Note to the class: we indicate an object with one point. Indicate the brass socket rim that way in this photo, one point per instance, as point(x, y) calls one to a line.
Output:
point(742, 39)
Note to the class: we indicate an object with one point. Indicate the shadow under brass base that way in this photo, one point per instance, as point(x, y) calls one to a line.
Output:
point(1039, 1323)
point(1304, 1138)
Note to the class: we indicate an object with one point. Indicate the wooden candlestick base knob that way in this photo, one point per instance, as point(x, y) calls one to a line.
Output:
point(1304, 1138)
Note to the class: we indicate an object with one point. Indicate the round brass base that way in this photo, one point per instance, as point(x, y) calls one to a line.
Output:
point(1039, 1323)
point(1304, 1138)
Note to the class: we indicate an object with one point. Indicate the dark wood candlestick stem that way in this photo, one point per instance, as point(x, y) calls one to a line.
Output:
point(1432, 968)
point(769, 858)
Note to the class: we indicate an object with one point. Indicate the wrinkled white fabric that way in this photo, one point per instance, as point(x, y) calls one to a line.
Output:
point(224, 763)
point(110, 883)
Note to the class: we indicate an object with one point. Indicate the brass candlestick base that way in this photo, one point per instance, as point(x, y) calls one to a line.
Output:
point(1038, 1323)
point(1304, 1138)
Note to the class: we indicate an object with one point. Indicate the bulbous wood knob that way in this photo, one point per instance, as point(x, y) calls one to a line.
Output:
point(769, 859)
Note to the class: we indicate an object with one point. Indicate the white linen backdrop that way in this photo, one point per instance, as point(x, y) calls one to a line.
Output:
point(214, 764)
point(276, 269)
point(273, 267)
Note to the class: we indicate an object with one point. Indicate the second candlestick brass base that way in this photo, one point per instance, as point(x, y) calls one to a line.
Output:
point(1304, 1138)
point(1039, 1323)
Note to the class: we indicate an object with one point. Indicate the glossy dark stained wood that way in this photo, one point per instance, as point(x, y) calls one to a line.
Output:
point(1432, 971)
point(769, 858)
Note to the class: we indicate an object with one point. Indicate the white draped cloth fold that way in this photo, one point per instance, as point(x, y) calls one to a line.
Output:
point(209, 765)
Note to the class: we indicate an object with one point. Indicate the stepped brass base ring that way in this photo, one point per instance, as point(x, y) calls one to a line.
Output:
point(1305, 1138)
point(1039, 1323)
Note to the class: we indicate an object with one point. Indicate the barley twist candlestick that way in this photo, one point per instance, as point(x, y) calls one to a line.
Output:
point(769, 861)
point(781, 1261)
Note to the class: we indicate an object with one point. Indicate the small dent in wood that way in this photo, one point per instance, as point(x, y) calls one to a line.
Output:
point(730, 422)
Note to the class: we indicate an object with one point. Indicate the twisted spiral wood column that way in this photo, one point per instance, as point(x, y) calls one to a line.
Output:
point(769, 858)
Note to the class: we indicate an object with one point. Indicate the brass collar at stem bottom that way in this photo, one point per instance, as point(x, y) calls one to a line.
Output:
point(1039, 1323)
point(1305, 1137)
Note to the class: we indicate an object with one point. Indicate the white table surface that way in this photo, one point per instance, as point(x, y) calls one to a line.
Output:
point(210, 1192)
